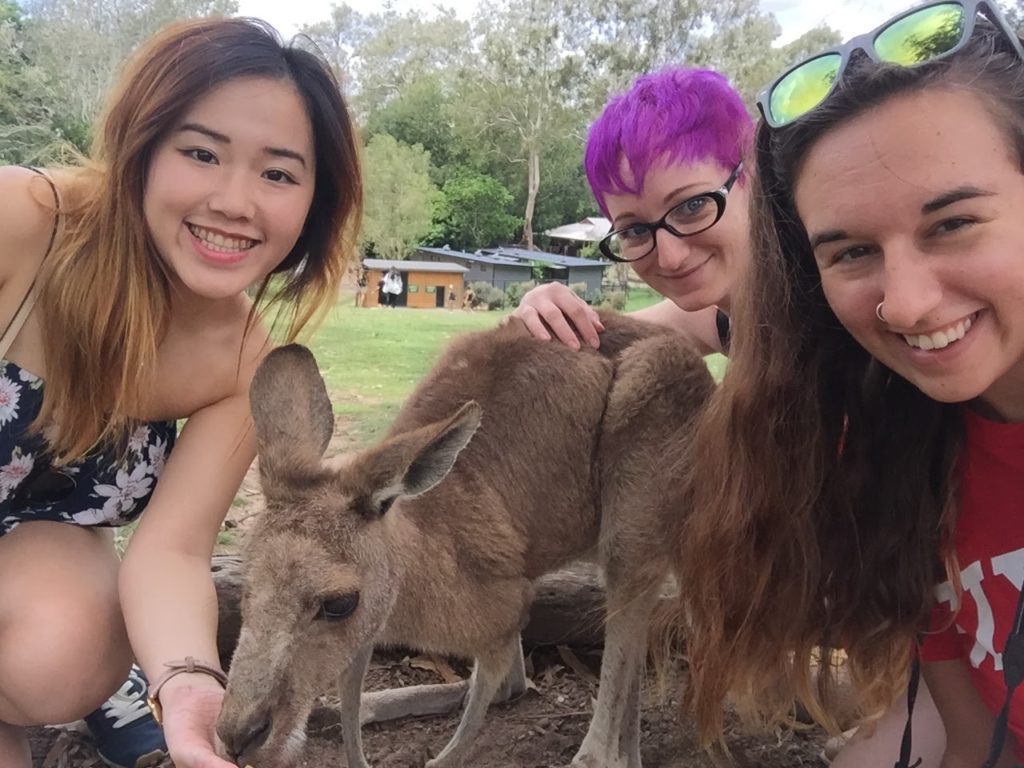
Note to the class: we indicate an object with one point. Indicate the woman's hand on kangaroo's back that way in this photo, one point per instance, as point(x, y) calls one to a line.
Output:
point(26, 221)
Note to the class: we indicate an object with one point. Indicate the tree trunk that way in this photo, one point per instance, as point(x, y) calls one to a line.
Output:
point(532, 185)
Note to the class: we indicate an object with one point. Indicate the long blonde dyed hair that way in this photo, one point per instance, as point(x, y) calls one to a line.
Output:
point(105, 293)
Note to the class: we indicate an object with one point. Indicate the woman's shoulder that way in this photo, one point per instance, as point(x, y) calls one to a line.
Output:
point(26, 219)
point(206, 361)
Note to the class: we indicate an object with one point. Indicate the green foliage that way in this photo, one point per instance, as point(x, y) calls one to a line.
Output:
point(472, 212)
point(59, 59)
point(9, 12)
point(514, 292)
point(501, 105)
point(488, 295)
point(379, 56)
point(399, 196)
point(580, 289)
point(26, 127)
point(418, 115)
point(1015, 15)
point(741, 46)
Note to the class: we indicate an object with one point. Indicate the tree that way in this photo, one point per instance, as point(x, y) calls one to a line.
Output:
point(9, 12)
point(472, 212)
point(80, 44)
point(25, 114)
point(511, 97)
point(625, 38)
point(740, 46)
point(526, 84)
point(399, 196)
point(419, 114)
point(1015, 15)
point(338, 38)
point(378, 56)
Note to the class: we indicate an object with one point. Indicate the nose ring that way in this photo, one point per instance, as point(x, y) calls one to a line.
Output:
point(878, 312)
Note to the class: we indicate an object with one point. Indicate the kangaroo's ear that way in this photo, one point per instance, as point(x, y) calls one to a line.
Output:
point(411, 463)
point(437, 456)
point(291, 410)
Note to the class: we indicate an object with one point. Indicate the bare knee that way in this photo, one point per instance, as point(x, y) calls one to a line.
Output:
point(63, 646)
point(61, 661)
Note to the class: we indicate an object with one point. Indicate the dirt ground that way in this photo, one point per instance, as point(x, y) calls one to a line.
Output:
point(541, 729)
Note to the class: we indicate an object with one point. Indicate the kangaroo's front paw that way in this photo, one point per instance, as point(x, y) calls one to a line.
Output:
point(592, 760)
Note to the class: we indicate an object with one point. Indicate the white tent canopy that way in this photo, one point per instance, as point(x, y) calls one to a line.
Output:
point(590, 230)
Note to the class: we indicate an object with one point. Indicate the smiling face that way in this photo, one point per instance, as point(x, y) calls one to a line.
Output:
point(918, 204)
point(696, 271)
point(229, 188)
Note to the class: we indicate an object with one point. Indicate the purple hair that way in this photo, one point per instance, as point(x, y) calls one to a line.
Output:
point(679, 115)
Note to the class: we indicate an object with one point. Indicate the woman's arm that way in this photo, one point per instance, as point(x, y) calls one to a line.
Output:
point(167, 592)
point(553, 308)
point(967, 721)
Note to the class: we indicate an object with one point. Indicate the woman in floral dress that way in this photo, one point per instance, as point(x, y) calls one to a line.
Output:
point(224, 160)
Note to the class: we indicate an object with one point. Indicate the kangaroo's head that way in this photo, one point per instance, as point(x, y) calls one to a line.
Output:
point(321, 564)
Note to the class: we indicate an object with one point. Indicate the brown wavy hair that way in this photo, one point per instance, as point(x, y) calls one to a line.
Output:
point(824, 485)
point(105, 295)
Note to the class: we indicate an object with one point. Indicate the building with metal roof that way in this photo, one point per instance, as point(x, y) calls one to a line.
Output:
point(425, 284)
point(499, 271)
point(505, 265)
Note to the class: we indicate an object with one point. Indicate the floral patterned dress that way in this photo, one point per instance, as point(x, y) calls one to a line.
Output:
point(106, 488)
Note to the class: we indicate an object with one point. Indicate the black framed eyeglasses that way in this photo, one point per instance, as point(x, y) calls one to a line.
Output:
point(690, 217)
point(926, 33)
point(44, 485)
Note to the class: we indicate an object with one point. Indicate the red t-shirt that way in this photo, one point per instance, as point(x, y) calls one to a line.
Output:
point(989, 540)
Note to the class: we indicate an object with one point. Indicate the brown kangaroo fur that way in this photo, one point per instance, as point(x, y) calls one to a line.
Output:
point(560, 454)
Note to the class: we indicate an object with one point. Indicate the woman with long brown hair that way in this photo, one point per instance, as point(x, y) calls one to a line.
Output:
point(859, 474)
point(225, 161)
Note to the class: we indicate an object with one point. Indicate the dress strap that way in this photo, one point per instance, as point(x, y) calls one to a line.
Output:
point(29, 299)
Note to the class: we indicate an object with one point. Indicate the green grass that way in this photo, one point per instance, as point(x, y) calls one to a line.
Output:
point(372, 358)
point(716, 364)
point(641, 297)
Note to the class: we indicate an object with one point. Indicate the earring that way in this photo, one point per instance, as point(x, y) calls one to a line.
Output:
point(878, 312)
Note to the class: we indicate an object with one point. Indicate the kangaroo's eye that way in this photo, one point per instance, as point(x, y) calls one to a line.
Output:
point(337, 607)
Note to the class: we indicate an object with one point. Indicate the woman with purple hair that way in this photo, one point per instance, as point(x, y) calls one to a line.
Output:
point(665, 163)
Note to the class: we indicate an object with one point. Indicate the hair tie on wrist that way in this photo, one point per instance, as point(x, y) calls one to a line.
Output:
point(188, 666)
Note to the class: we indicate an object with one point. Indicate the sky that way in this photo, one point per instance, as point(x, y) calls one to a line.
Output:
point(851, 17)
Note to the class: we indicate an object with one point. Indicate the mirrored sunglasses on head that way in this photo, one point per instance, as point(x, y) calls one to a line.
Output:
point(926, 33)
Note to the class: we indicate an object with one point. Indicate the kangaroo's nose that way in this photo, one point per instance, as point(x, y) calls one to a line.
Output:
point(248, 739)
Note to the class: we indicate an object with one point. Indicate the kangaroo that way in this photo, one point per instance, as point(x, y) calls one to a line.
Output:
point(511, 459)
